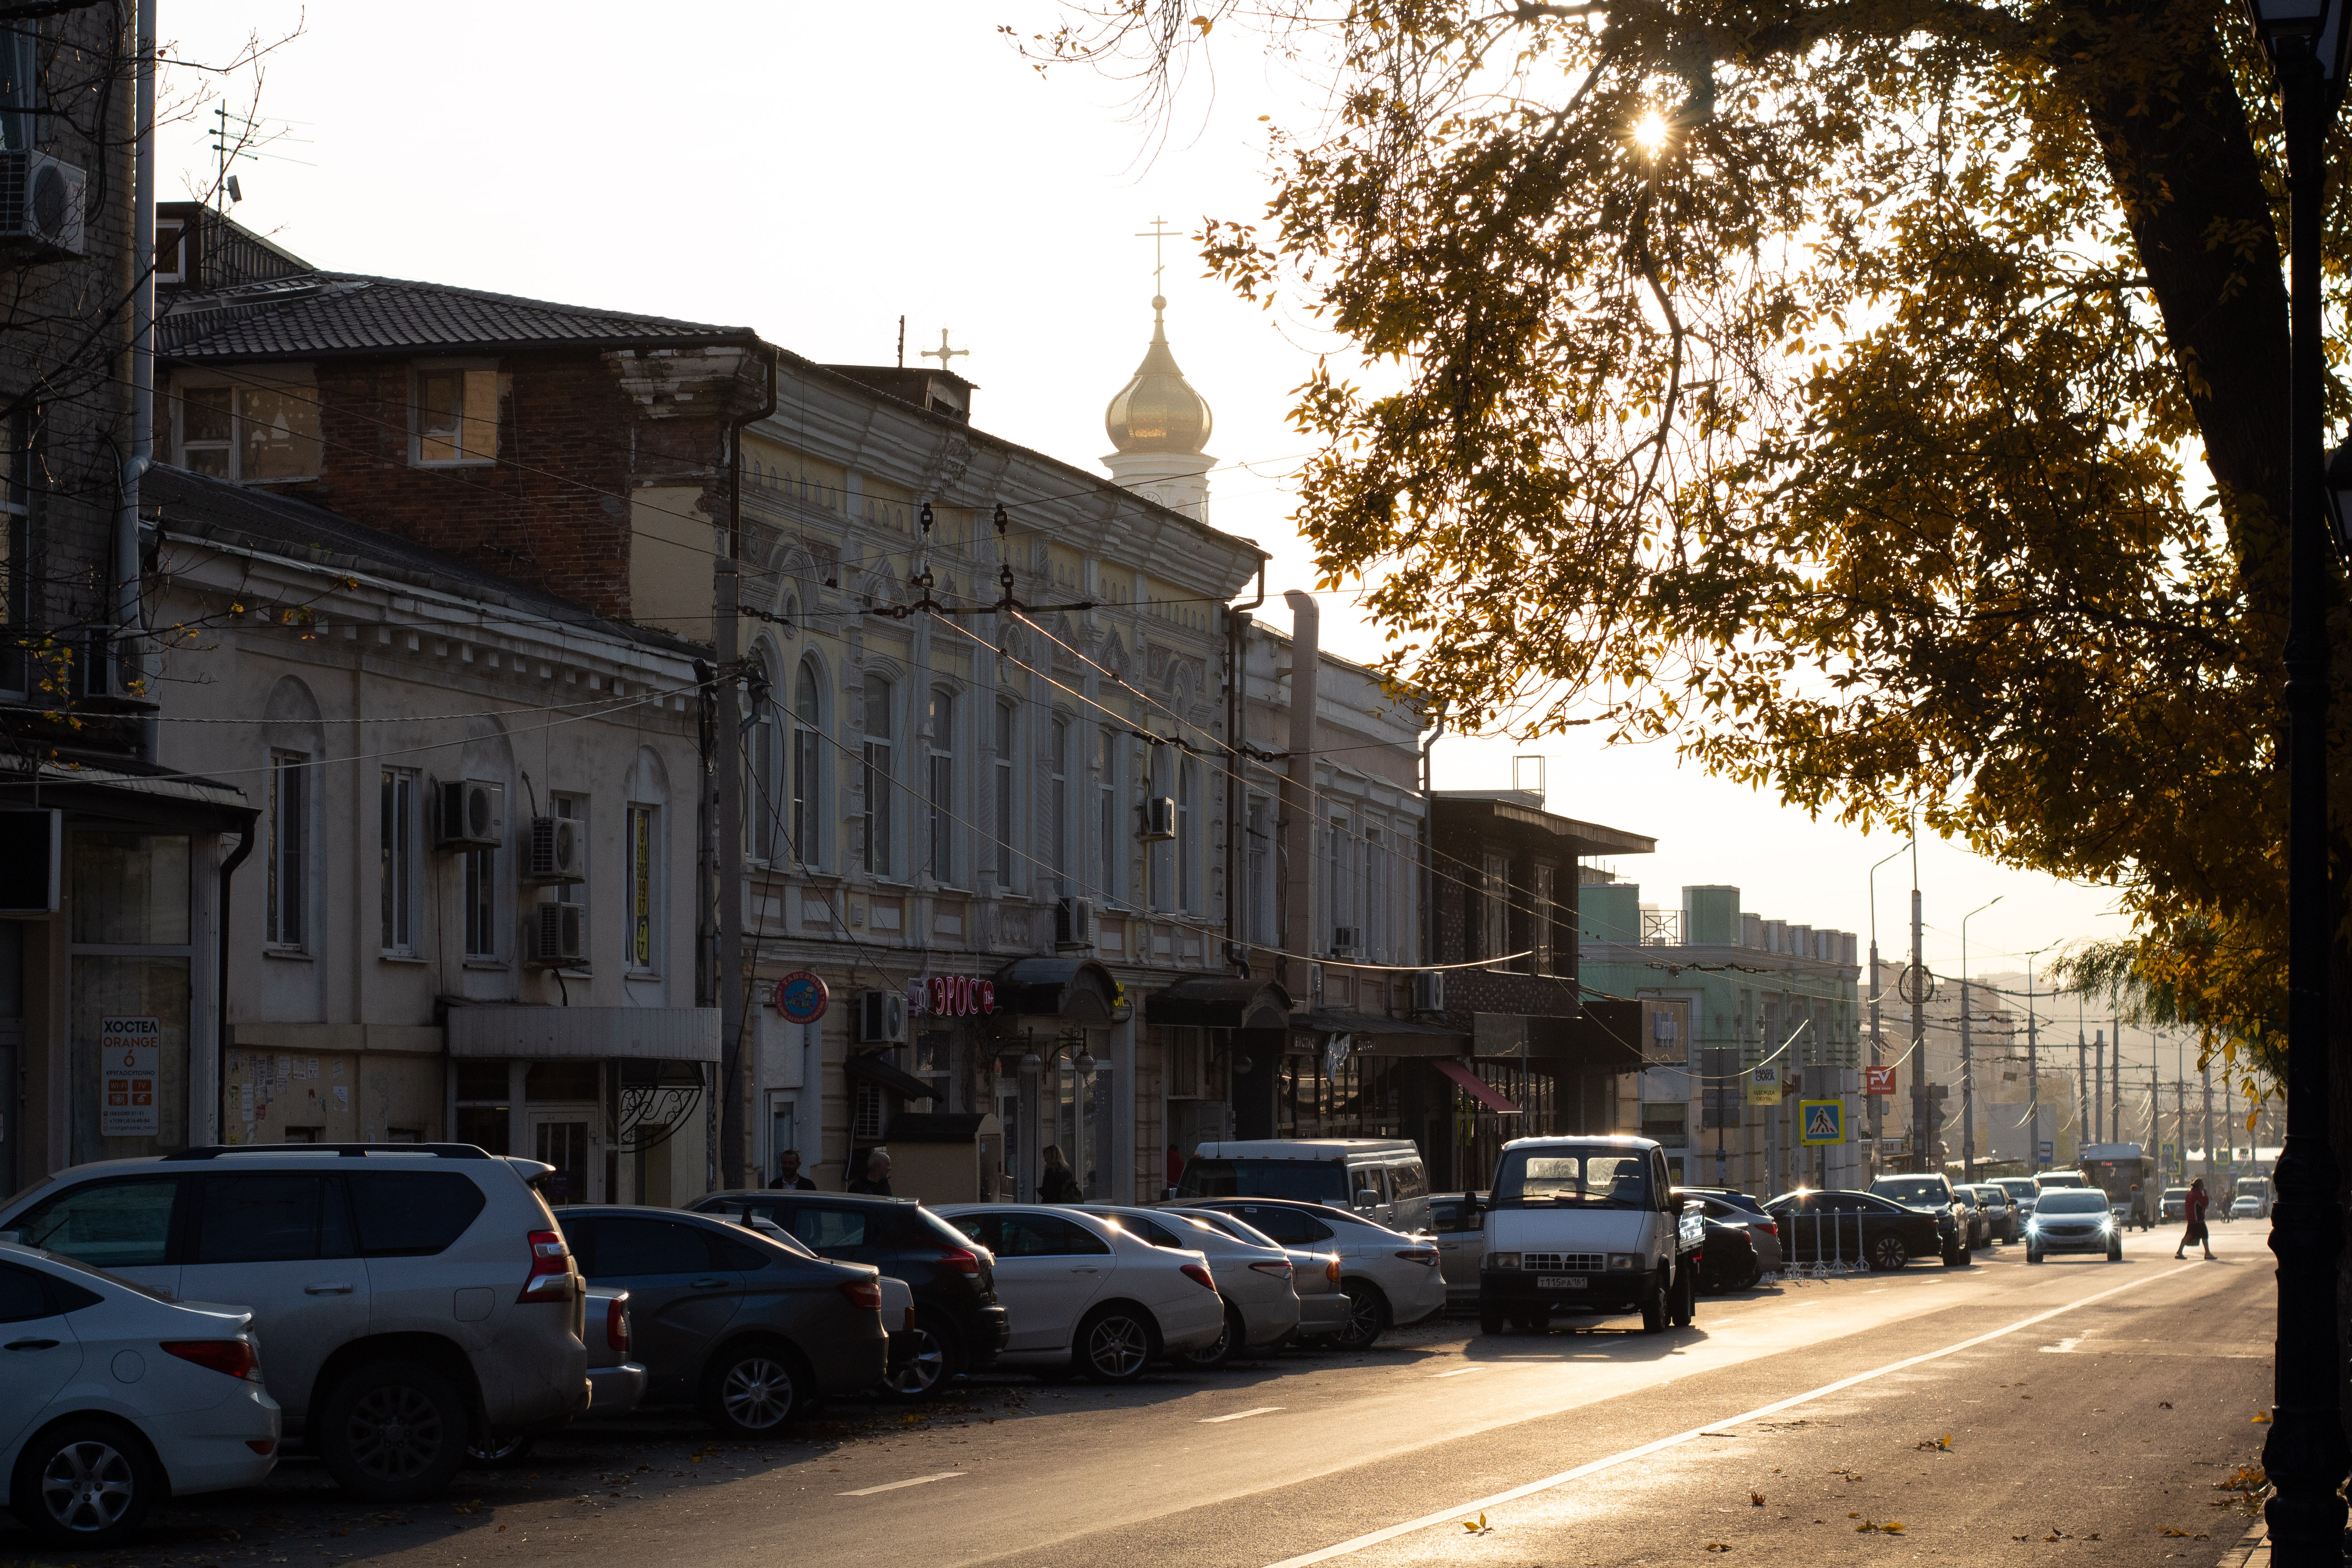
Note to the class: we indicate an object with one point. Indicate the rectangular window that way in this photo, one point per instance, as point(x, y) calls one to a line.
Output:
point(1188, 848)
point(805, 777)
point(763, 805)
point(1163, 852)
point(878, 775)
point(645, 846)
point(290, 849)
point(252, 435)
point(1376, 895)
point(170, 257)
point(1059, 806)
point(1339, 892)
point(1006, 715)
point(457, 417)
point(396, 858)
point(1108, 844)
point(942, 787)
point(1495, 909)
point(1539, 920)
point(481, 903)
point(1258, 871)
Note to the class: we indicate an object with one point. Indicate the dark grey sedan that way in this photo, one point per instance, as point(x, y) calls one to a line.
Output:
point(747, 1330)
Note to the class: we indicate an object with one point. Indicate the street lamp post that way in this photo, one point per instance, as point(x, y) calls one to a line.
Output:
point(2304, 1453)
point(1968, 1062)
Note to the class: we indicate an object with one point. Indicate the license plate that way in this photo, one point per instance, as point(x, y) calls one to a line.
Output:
point(1559, 1282)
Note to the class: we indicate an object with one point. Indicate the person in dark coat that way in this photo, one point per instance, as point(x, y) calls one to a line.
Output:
point(2194, 1211)
point(875, 1182)
point(1058, 1184)
point(788, 1174)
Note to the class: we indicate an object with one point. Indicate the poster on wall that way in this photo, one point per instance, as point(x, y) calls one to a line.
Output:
point(130, 1053)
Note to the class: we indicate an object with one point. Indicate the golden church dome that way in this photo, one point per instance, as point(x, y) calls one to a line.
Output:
point(1157, 410)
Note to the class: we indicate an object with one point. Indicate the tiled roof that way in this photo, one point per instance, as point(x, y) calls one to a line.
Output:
point(195, 506)
point(344, 313)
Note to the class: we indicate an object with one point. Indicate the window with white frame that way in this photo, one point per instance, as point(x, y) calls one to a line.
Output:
point(398, 865)
point(455, 416)
point(1188, 829)
point(807, 765)
point(288, 913)
point(482, 895)
point(1008, 729)
point(1339, 887)
point(250, 431)
point(642, 932)
point(1110, 845)
point(878, 776)
point(1058, 760)
point(942, 786)
point(1376, 883)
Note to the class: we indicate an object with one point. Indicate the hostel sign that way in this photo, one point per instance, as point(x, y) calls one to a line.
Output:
point(130, 1054)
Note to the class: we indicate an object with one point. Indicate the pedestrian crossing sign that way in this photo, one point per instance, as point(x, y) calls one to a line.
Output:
point(1821, 1120)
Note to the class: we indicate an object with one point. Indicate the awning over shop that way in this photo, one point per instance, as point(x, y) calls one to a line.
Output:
point(871, 1068)
point(544, 1033)
point(1480, 1089)
point(1076, 990)
point(1377, 1034)
point(1219, 1002)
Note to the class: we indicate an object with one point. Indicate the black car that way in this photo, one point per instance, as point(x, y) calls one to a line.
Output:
point(1827, 1227)
point(1728, 1259)
point(1930, 1192)
point(959, 1326)
point(748, 1331)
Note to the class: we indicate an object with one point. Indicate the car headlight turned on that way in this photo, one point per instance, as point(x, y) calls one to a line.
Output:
point(1624, 1262)
point(1502, 1260)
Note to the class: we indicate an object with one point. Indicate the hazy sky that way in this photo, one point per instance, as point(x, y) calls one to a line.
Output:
point(815, 171)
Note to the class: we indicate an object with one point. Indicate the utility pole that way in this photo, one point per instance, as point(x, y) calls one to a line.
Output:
point(1922, 1146)
point(2032, 1077)
point(2116, 1029)
point(2099, 1087)
point(2205, 1072)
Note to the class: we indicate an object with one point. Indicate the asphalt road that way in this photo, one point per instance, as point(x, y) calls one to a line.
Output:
point(2078, 1412)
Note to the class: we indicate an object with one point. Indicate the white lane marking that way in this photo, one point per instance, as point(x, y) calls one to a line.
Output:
point(1497, 1500)
point(2060, 1348)
point(1458, 1372)
point(1240, 1414)
point(894, 1486)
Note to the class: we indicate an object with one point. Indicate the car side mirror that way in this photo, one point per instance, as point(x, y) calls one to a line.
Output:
point(1368, 1199)
point(1167, 1194)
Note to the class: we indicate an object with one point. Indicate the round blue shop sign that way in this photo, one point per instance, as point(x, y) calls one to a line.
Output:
point(802, 997)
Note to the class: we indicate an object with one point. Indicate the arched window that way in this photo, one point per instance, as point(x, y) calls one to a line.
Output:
point(878, 776)
point(942, 785)
point(802, 813)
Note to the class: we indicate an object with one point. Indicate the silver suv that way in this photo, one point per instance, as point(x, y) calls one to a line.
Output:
point(409, 1298)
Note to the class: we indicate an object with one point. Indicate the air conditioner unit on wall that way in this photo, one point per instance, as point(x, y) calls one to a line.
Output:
point(1159, 817)
point(40, 206)
point(1074, 922)
point(881, 1018)
point(557, 852)
point(1429, 991)
point(473, 814)
point(1345, 940)
point(555, 936)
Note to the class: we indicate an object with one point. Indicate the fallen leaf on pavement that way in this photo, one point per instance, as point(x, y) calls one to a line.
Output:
point(1477, 1526)
point(2176, 1534)
point(1716, 1546)
point(2262, 1419)
point(1754, 1499)
point(1892, 1527)
point(473, 1507)
point(1942, 1444)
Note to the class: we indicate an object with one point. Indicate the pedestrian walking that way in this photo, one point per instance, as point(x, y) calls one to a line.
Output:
point(1059, 1184)
point(788, 1174)
point(2194, 1211)
point(875, 1182)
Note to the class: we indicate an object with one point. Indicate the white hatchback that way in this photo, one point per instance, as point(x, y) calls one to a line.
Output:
point(112, 1399)
point(1080, 1292)
point(1261, 1304)
point(1391, 1278)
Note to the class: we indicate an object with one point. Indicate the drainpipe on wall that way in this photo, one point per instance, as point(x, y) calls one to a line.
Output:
point(128, 603)
point(1238, 621)
point(1301, 927)
point(244, 836)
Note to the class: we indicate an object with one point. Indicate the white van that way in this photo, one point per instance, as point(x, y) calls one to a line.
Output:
point(1381, 1179)
point(1584, 1225)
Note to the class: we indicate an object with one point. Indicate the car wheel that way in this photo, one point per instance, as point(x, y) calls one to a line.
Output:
point(927, 1370)
point(754, 1388)
point(491, 1452)
point(1490, 1321)
point(2115, 1253)
point(1753, 1277)
point(86, 1482)
point(2032, 1253)
point(1368, 1316)
point(1114, 1345)
point(1686, 1297)
point(1653, 1305)
point(393, 1432)
point(1227, 1345)
point(1537, 1320)
point(1888, 1254)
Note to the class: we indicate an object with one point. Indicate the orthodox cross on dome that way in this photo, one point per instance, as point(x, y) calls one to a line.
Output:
point(1157, 233)
point(944, 354)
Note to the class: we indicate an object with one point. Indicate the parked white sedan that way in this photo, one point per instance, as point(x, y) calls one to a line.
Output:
point(1081, 1292)
point(112, 1398)
point(1391, 1278)
point(1323, 1307)
point(1260, 1306)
